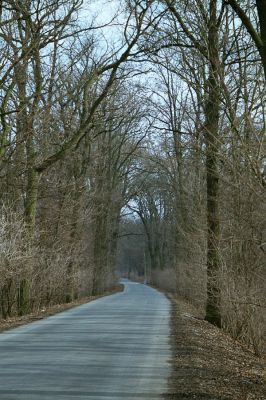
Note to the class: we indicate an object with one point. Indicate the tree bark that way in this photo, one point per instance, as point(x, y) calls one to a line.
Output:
point(23, 297)
point(261, 6)
point(6, 299)
point(213, 314)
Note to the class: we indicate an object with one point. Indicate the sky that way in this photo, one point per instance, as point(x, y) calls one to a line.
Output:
point(102, 11)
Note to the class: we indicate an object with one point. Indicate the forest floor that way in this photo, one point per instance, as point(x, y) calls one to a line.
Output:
point(45, 312)
point(208, 364)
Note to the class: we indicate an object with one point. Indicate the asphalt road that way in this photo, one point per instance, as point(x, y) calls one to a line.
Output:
point(116, 347)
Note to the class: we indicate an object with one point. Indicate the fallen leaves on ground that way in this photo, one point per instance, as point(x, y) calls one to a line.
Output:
point(210, 365)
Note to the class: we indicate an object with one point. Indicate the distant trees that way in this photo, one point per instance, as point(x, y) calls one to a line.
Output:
point(132, 252)
point(117, 138)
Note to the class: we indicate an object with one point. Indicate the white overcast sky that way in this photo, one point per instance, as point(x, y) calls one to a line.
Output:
point(103, 11)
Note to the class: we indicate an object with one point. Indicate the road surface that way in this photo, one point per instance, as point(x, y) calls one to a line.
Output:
point(113, 348)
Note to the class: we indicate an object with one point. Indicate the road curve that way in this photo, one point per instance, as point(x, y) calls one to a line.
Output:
point(113, 348)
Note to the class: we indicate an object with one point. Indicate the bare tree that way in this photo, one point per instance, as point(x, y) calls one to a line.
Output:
point(258, 35)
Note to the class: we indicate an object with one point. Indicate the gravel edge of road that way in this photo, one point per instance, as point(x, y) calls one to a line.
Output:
point(15, 322)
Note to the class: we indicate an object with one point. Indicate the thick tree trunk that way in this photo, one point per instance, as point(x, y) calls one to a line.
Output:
point(114, 221)
point(261, 6)
point(100, 246)
point(25, 146)
point(23, 297)
point(6, 299)
point(30, 206)
point(31, 200)
point(213, 314)
point(71, 290)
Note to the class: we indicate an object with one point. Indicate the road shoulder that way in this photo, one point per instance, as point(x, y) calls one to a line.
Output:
point(208, 364)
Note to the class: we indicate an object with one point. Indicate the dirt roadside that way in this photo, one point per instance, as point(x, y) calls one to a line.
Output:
point(14, 322)
point(209, 365)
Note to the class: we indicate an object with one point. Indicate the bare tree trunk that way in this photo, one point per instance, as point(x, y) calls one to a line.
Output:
point(71, 292)
point(261, 6)
point(213, 314)
point(6, 298)
point(31, 197)
point(23, 297)
point(25, 146)
point(99, 251)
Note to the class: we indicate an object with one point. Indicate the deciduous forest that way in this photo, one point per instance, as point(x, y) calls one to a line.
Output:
point(132, 142)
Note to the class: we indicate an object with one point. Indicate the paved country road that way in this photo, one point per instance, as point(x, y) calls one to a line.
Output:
point(116, 347)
